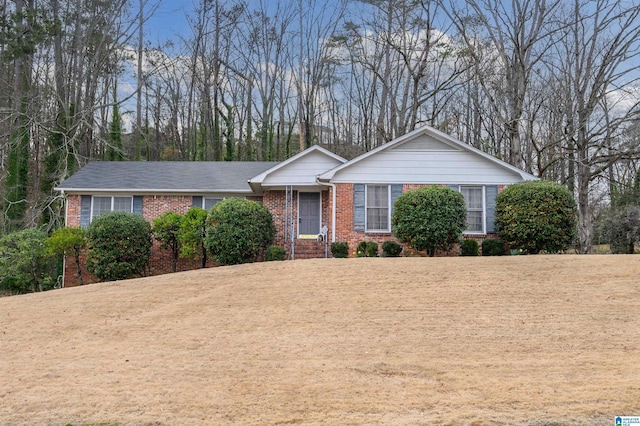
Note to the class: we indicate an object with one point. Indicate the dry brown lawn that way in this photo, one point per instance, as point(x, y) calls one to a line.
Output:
point(535, 340)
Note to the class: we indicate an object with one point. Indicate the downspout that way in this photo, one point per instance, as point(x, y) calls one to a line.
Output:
point(333, 207)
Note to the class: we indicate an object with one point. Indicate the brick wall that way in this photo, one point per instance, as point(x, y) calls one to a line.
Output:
point(344, 222)
point(73, 211)
point(346, 233)
point(275, 201)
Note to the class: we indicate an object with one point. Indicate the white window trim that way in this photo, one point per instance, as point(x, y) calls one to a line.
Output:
point(308, 236)
point(484, 209)
point(112, 201)
point(366, 207)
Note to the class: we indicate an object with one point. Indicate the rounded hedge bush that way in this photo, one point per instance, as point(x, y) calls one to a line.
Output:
point(391, 249)
point(238, 231)
point(275, 253)
point(429, 218)
point(493, 247)
point(536, 216)
point(367, 249)
point(119, 246)
point(340, 249)
point(469, 247)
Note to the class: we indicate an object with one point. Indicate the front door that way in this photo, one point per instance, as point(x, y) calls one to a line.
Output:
point(309, 213)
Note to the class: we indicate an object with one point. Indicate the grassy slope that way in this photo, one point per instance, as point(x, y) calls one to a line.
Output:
point(513, 340)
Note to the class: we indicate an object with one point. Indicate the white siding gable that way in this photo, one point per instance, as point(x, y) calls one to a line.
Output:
point(425, 159)
point(302, 171)
point(424, 143)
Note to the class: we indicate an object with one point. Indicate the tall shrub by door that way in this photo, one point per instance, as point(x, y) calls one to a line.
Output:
point(238, 231)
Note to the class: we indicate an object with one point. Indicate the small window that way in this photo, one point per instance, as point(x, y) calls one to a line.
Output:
point(122, 204)
point(101, 205)
point(474, 199)
point(210, 202)
point(377, 208)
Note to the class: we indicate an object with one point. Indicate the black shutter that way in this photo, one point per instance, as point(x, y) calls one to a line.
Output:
point(137, 204)
point(359, 210)
point(396, 191)
point(85, 211)
point(491, 194)
point(196, 201)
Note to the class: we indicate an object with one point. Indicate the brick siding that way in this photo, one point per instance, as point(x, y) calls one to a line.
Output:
point(275, 201)
point(160, 263)
point(346, 233)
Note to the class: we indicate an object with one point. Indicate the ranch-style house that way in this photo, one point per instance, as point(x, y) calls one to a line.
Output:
point(316, 197)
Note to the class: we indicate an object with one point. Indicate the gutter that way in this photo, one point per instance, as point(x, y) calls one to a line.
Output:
point(147, 191)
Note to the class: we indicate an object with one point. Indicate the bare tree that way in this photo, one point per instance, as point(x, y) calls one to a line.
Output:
point(517, 35)
point(413, 67)
point(597, 52)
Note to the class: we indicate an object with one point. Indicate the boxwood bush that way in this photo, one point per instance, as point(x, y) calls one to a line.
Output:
point(340, 249)
point(469, 247)
point(238, 231)
point(119, 246)
point(275, 253)
point(536, 216)
point(391, 249)
point(493, 247)
point(367, 249)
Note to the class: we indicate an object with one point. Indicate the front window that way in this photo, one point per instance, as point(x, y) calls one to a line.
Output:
point(122, 204)
point(108, 204)
point(377, 208)
point(474, 199)
point(210, 202)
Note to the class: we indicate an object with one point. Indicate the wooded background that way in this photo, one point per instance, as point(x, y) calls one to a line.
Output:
point(551, 87)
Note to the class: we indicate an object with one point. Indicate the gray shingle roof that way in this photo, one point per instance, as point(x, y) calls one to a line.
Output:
point(165, 176)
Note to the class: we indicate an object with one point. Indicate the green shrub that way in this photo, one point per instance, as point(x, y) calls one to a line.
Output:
point(25, 264)
point(119, 246)
point(275, 253)
point(367, 249)
point(340, 249)
point(238, 231)
point(192, 235)
point(166, 230)
point(536, 216)
point(391, 249)
point(493, 247)
point(70, 242)
point(469, 247)
point(620, 227)
point(429, 218)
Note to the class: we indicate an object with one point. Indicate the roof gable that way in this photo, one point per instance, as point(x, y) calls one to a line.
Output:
point(426, 155)
point(424, 142)
point(301, 169)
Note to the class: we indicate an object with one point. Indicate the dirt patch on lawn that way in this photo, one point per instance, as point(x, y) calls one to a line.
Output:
point(531, 340)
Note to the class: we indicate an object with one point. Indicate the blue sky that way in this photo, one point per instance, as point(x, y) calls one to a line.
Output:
point(169, 21)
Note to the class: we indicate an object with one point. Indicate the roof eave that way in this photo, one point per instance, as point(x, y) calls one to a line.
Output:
point(152, 190)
